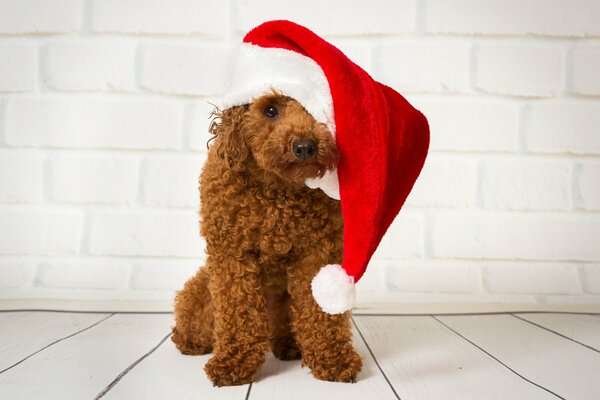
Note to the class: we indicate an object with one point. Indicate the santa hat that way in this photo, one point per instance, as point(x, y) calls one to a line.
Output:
point(381, 138)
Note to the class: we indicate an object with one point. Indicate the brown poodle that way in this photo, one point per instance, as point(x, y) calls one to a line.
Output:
point(267, 235)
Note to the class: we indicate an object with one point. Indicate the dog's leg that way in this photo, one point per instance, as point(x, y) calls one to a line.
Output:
point(193, 330)
point(325, 340)
point(241, 328)
point(283, 343)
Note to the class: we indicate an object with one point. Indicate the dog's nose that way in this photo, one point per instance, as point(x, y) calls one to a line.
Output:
point(304, 148)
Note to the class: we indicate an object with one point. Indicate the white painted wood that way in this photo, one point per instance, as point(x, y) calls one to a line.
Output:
point(560, 365)
point(10, 316)
point(580, 327)
point(23, 333)
point(425, 360)
point(403, 308)
point(167, 374)
point(82, 366)
point(287, 380)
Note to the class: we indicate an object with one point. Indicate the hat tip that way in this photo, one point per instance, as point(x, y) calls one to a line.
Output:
point(333, 289)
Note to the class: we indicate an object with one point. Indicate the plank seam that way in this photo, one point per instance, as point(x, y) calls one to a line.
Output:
point(129, 368)
point(55, 342)
point(498, 360)
point(355, 314)
point(556, 333)
point(248, 392)
point(375, 359)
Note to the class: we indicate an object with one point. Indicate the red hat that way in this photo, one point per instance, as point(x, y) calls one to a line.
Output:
point(382, 139)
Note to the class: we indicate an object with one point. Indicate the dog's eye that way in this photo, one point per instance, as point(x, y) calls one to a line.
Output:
point(271, 112)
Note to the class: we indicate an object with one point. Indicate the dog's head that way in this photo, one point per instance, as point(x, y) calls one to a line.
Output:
point(276, 134)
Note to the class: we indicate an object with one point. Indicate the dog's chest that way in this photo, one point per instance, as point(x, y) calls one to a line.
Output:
point(294, 220)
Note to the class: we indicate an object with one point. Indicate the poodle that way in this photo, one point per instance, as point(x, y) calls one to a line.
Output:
point(267, 235)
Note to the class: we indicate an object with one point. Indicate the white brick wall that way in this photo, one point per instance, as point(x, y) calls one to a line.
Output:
point(204, 17)
point(184, 68)
point(40, 16)
point(145, 233)
point(519, 70)
point(526, 185)
point(103, 127)
point(89, 65)
point(18, 67)
point(24, 186)
point(433, 67)
point(514, 17)
point(92, 123)
point(93, 179)
point(172, 182)
point(564, 127)
point(334, 17)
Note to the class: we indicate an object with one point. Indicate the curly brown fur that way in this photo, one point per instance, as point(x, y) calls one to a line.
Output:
point(267, 235)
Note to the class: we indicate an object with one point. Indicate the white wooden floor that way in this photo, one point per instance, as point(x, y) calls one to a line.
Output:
point(66, 355)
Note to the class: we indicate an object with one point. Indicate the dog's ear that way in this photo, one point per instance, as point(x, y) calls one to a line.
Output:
point(227, 127)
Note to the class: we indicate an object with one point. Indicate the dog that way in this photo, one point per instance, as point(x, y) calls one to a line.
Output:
point(267, 235)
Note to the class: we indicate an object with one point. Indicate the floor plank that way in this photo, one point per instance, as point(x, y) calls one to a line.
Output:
point(282, 380)
point(560, 365)
point(167, 374)
point(425, 360)
point(82, 366)
point(24, 333)
point(582, 328)
point(11, 316)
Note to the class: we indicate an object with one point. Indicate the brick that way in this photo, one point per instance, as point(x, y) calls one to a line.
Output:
point(172, 181)
point(190, 69)
point(533, 278)
point(176, 16)
point(93, 123)
point(403, 239)
point(83, 274)
point(97, 180)
point(424, 67)
point(585, 63)
point(18, 67)
point(20, 178)
point(518, 184)
point(199, 120)
point(36, 16)
point(39, 232)
point(16, 273)
point(471, 125)
point(163, 275)
point(372, 282)
point(564, 127)
point(513, 17)
point(591, 278)
point(519, 70)
point(353, 17)
point(432, 277)
point(509, 237)
point(589, 186)
point(90, 65)
point(147, 233)
point(445, 183)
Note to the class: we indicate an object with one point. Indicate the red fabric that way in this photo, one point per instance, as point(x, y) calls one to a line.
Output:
point(382, 139)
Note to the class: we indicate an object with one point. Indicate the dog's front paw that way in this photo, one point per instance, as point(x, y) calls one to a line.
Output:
point(188, 346)
point(345, 369)
point(227, 372)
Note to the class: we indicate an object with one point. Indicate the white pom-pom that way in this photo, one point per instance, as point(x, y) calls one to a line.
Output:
point(333, 289)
